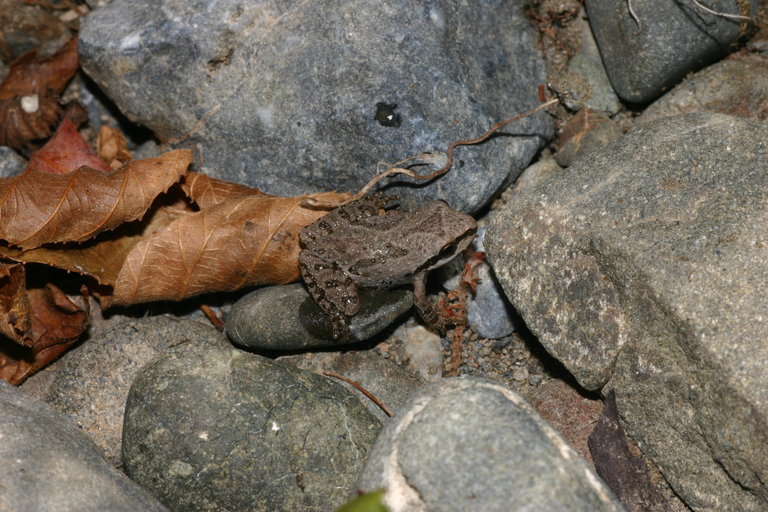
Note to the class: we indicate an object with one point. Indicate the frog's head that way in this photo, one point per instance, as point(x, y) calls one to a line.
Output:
point(449, 234)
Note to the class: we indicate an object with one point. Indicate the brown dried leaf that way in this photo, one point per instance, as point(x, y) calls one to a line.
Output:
point(242, 241)
point(29, 95)
point(37, 207)
point(243, 238)
point(14, 304)
point(112, 147)
point(56, 324)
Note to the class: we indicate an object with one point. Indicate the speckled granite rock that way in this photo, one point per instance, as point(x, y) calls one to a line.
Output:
point(737, 86)
point(216, 428)
point(295, 97)
point(642, 268)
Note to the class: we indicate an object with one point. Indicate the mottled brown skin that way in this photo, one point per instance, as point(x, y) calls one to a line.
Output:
point(355, 247)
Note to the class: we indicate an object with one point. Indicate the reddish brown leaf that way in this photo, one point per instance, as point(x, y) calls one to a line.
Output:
point(245, 241)
point(56, 324)
point(14, 304)
point(37, 207)
point(65, 152)
point(29, 95)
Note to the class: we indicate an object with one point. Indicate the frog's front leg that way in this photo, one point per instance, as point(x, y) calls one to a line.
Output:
point(333, 290)
point(427, 311)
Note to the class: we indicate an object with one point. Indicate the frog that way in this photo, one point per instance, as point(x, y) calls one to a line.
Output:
point(365, 245)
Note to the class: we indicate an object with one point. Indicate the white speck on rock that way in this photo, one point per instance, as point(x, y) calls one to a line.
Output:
point(265, 115)
point(436, 16)
point(130, 41)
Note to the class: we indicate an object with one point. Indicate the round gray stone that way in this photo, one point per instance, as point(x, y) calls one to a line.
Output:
point(284, 318)
point(216, 428)
point(469, 444)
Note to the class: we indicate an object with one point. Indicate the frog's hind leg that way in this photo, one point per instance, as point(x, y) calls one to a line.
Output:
point(333, 290)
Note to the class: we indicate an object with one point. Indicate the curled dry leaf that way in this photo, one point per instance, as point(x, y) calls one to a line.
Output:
point(40, 323)
point(29, 95)
point(240, 237)
point(243, 240)
point(112, 147)
point(14, 304)
point(38, 207)
point(65, 152)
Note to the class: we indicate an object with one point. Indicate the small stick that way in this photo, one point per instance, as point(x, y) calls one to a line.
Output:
point(395, 169)
point(364, 391)
point(451, 147)
point(212, 317)
point(634, 17)
point(723, 14)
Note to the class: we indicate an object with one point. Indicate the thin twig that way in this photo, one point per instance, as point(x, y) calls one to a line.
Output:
point(212, 317)
point(722, 14)
point(634, 17)
point(701, 6)
point(364, 391)
point(451, 148)
point(396, 169)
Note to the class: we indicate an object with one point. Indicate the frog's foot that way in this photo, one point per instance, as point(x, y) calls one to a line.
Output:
point(340, 325)
point(427, 311)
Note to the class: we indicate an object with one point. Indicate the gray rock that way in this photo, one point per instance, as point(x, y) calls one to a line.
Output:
point(92, 385)
point(643, 267)
point(50, 465)
point(215, 428)
point(581, 81)
point(737, 86)
point(536, 175)
point(11, 163)
point(585, 132)
point(385, 379)
point(469, 444)
point(672, 39)
point(286, 318)
point(301, 97)
point(602, 97)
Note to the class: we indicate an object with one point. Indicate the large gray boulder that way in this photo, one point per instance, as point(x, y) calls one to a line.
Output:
point(210, 427)
point(295, 97)
point(643, 269)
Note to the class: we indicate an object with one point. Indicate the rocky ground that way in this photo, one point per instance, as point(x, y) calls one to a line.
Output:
point(614, 354)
